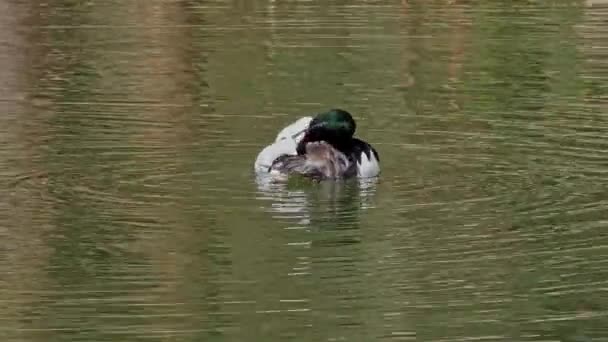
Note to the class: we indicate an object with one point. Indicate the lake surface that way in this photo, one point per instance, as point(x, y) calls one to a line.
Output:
point(130, 211)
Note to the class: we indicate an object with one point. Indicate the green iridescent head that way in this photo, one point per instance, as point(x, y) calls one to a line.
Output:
point(334, 122)
point(335, 126)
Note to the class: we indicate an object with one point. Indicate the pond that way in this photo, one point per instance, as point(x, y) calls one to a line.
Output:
point(130, 210)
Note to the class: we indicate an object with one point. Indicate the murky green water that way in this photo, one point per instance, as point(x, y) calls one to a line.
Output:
point(129, 210)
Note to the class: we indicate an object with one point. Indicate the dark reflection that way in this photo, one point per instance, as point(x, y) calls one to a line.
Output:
point(333, 202)
point(330, 212)
point(323, 208)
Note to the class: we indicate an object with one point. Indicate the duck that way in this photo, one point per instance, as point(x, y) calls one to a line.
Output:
point(322, 146)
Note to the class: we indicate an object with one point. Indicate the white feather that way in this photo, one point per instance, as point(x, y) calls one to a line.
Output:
point(285, 143)
point(368, 167)
point(272, 152)
point(294, 130)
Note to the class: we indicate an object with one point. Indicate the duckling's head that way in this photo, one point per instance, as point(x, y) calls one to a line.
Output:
point(335, 126)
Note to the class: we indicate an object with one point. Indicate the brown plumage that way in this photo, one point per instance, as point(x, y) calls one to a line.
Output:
point(321, 161)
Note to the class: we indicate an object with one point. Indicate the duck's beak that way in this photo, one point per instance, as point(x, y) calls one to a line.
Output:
point(304, 138)
point(296, 135)
point(313, 125)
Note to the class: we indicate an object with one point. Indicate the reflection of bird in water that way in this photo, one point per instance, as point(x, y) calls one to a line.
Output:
point(320, 161)
point(320, 148)
point(303, 202)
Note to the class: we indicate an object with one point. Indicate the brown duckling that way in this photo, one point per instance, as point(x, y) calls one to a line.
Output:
point(320, 161)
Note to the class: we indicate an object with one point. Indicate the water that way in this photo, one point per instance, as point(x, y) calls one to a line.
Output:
point(129, 210)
